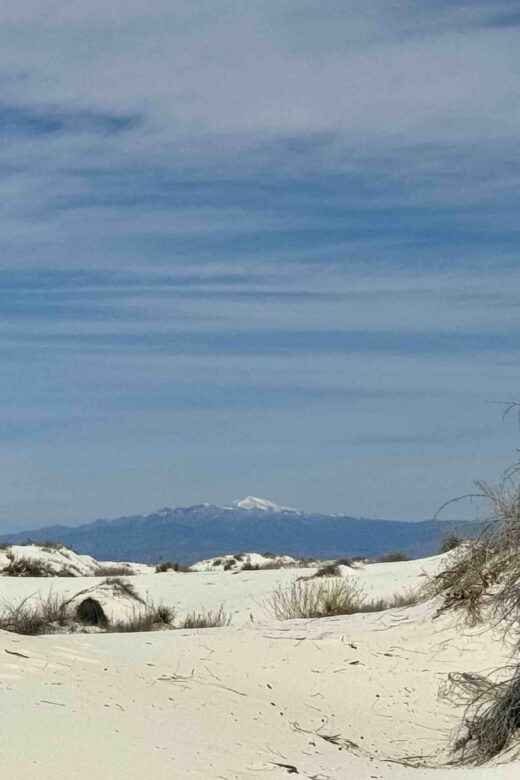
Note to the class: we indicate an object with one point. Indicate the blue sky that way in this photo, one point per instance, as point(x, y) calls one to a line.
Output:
point(256, 248)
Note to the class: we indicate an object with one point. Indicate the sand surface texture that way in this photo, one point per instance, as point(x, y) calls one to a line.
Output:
point(346, 697)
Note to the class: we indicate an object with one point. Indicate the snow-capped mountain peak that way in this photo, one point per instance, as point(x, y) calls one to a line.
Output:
point(252, 502)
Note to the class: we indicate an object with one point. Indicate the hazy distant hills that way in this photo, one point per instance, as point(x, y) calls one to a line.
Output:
point(255, 525)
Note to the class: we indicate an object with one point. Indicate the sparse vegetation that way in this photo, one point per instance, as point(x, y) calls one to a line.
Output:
point(491, 720)
point(324, 597)
point(153, 618)
point(392, 557)
point(29, 567)
point(206, 619)
point(315, 599)
point(329, 570)
point(451, 541)
point(124, 587)
point(171, 566)
point(32, 616)
point(166, 566)
point(482, 578)
point(114, 571)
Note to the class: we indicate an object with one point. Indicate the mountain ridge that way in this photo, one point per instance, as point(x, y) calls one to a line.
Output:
point(201, 531)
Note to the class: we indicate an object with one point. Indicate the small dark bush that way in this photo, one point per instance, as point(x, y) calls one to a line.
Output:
point(230, 564)
point(450, 542)
point(392, 557)
point(114, 571)
point(166, 566)
point(329, 570)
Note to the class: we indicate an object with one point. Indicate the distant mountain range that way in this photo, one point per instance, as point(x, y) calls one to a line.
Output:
point(193, 533)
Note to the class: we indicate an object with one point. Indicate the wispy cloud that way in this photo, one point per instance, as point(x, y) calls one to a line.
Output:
point(239, 240)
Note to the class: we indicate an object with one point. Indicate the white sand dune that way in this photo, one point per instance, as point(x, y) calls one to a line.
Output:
point(59, 561)
point(330, 699)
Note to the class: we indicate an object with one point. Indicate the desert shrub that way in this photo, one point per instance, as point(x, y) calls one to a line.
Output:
point(166, 566)
point(27, 567)
point(32, 616)
point(491, 721)
point(482, 578)
point(392, 557)
point(230, 564)
point(114, 571)
point(206, 619)
point(315, 599)
point(347, 561)
point(329, 570)
point(127, 588)
point(450, 541)
point(151, 619)
point(465, 582)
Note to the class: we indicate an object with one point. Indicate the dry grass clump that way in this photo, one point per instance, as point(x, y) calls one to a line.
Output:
point(206, 619)
point(153, 618)
point(491, 721)
point(315, 598)
point(30, 616)
point(28, 567)
point(114, 571)
point(124, 587)
point(466, 581)
point(483, 578)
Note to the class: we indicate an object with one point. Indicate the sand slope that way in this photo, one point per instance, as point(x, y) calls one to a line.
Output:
point(242, 701)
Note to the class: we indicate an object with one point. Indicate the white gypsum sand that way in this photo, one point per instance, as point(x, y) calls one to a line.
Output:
point(345, 697)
